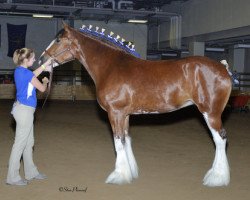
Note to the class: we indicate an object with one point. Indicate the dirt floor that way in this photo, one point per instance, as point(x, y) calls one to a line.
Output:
point(74, 148)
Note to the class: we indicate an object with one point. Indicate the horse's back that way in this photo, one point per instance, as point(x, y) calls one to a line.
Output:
point(183, 70)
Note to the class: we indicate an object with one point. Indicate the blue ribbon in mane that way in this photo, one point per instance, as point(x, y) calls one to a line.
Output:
point(112, 40)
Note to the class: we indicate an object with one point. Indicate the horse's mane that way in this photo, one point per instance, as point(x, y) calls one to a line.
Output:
point(114, 42)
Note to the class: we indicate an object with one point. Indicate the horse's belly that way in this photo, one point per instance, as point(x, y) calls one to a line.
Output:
point(187, 103)
point(162, 109)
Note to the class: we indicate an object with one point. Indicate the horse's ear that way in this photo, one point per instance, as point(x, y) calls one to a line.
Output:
point(65, 25)
point(68, 29)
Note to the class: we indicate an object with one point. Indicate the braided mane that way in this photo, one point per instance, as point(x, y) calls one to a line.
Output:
point(118, 43)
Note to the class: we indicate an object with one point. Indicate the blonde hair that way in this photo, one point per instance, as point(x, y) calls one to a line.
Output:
point(20, 54)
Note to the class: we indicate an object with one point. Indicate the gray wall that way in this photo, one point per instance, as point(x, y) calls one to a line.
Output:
point(40, 32)
point(207, 20)
point(200, 17)
point(216, 20)
point(158, 35)
point(206, 16)
point(247, 61)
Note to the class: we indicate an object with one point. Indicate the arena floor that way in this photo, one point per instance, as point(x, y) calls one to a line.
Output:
point(74, 148)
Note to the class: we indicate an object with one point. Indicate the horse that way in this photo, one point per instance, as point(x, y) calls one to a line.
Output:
point(127, 85)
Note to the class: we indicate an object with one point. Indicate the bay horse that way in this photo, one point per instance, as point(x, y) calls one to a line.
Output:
point(127, 85)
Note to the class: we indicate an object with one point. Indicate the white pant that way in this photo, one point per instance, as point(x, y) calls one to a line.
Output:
point(23, 145)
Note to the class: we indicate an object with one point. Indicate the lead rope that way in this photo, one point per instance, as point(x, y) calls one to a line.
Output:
point(49, 85)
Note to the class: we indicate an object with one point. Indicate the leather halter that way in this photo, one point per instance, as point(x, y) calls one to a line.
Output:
point(61, 52)
point(60, 63)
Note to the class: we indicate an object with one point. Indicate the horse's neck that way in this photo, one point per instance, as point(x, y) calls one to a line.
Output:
point(94, 55)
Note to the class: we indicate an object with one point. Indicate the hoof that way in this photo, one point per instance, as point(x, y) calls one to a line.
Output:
point(118, 178)
point(214, 179)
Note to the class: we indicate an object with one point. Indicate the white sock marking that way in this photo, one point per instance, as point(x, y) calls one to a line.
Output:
point(122, 173)
point(219, 174)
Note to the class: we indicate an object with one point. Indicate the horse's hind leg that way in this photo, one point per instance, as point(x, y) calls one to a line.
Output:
point(125, 166)
point(219, 174)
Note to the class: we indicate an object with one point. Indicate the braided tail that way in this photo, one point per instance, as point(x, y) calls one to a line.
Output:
point(234, 75)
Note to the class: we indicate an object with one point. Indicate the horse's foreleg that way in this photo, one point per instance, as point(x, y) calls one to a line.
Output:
point(122, 173)
point(125, 166)
point(219, 174)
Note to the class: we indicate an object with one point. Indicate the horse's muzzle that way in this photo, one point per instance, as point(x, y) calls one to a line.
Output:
point(43, 58)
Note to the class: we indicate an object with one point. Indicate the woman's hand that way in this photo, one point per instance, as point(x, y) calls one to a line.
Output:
point(48, 65)
point(45, 80)
point(48, 68)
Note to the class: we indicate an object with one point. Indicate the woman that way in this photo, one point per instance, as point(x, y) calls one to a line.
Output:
point(23, 111)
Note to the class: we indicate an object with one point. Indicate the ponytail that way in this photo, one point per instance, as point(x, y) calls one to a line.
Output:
point(20, 54)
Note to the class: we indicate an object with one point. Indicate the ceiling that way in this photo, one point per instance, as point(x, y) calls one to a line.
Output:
point(117, 10)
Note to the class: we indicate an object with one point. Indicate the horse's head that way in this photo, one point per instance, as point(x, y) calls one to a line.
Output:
point(62, 48)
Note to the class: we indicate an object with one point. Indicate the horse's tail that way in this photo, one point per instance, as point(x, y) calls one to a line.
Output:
point(224, 62)
point(234, 75)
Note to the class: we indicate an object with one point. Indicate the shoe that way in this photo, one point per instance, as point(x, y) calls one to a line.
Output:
point(21, 182)
point(39, 177)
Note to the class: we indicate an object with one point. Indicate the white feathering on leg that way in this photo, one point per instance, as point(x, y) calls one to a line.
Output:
point(131, 158)
point(219, 174)
point(122, 173)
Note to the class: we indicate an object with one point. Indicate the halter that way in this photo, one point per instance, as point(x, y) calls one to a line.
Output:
point(60, 63)
point(61, 52)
